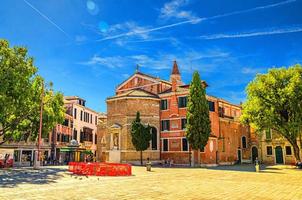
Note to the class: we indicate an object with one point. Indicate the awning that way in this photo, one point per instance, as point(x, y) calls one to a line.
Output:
point(71, 149)
point(67, 149)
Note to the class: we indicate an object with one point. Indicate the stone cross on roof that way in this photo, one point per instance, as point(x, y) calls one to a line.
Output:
point(137, 67)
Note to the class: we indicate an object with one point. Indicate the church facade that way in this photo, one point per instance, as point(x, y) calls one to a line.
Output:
point(162, 105)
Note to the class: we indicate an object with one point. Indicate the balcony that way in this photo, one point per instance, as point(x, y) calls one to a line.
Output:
point(63, 129)
point(87, 144)
point(44, 142)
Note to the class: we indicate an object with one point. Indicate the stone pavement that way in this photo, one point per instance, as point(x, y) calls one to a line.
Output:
point(228, 182)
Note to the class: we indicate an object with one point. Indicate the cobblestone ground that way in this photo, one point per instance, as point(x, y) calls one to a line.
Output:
point(234, 182)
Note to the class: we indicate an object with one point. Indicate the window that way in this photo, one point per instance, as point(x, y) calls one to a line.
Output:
point(66, 122)
point(90, 118)
point(81, 102)
point(182, 102)
point(234, 113)
point(221, 111)
point(95, 138)
point(16, 155)
point(268, 134)
point(164, 104)
point(82, 137)
point(81, 115)
point(96, 120)
point(288, 150)
point(165, 145)
point(75, 113)
point(243, 140)
point(174, 124)
point(75, 134)
point(183, 123)
point(65, 138)
point(165, 125)
point(269, 150)
point(211, 106)
point(185, 144)
point(153, 138)
point(58, 137)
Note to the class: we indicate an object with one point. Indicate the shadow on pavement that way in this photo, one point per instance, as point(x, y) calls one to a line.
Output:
point(14, 177)
point(246, 168)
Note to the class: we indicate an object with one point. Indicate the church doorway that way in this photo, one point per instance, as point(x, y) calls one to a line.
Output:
point(254, 153)
point(279, 155)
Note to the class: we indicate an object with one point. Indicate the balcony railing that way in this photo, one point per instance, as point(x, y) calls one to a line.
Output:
point(63, 129)
point(87, 143)
point(44, 142)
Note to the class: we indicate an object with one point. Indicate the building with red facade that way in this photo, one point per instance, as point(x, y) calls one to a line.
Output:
point(162, 105)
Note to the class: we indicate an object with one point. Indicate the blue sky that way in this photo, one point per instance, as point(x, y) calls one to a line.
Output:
point(88, 47)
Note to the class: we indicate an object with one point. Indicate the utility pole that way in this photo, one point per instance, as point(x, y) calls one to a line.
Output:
point(38, 153)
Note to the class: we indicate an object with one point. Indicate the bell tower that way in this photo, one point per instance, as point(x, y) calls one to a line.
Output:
point(175, 77)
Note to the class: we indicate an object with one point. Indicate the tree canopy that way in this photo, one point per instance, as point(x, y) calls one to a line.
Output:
point(141, 135)
point(274, 101)
point(20, 97)
point(198, 126)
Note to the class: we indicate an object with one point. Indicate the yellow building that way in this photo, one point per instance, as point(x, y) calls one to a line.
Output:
point(275, 149)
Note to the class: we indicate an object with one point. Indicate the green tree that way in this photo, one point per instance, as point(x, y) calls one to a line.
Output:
point(20, 97)
point(140, 136)
point(274, 101)
point(198, 126)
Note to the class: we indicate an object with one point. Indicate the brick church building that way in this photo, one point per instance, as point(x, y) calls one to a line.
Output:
point(162, 105)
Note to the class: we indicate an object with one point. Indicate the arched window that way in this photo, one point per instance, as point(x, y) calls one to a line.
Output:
point(243, 142)
point(153, 138)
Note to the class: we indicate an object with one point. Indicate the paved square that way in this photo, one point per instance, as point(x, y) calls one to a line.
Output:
point(233, 182)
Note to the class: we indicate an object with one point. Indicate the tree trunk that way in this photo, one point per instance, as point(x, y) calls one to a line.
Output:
point(193, 158)
point(141, 158)
point(199, 160)
point(296, 148)
point(300, 139)
point(190, 157)
point(296, 152)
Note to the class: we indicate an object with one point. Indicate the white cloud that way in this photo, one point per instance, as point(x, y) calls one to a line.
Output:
point(144, 31)
point(110, 62)
point(172, 9)
point(125, 76)
point(252, 9)
point(252, 34)
point(251, 70)
point(187, 60)
point(236, 97)
point(80, 38)
point(130, 28)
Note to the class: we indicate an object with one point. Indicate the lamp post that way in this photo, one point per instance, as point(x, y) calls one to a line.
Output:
point(38, 153)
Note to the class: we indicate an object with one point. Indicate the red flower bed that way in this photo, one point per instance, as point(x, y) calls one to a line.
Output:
point(9, 163)
point(100, 169)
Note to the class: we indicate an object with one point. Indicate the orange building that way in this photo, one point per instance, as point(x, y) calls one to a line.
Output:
point(163, 105)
